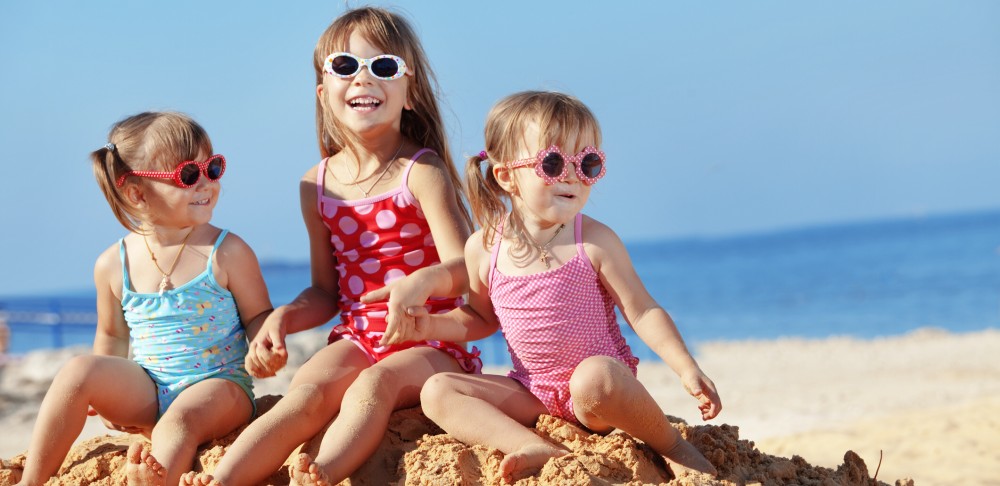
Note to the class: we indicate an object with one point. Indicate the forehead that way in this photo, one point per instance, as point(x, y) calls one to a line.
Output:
point(570, 141)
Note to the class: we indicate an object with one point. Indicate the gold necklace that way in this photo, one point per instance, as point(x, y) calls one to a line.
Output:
point(543, 250)
point(166, 275)
point(388, 164)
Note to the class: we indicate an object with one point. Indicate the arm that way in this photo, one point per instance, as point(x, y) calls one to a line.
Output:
point(474, 320)
point(650, 321)
point(313, 307)
point(112, 335)
point(432, 187)
point(237, 269)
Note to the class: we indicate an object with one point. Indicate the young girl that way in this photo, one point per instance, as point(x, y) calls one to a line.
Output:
point(381, 205)
point(550, 278)
point(184, 292)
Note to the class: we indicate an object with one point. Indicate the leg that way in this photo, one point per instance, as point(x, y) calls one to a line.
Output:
point(206, 410)
point(313, 400)
point(606, 395)
point(356, 433)
point(504, 412)
point(86, 381)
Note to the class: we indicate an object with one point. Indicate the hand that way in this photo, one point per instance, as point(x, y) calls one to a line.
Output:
point(702, 388)
point(267, 353)
point(406, 298)
point(416, 327)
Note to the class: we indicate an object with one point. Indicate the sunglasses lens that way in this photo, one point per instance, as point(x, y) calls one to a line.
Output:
point(189, 174)
point(344, 65)
point(552, 165)
point(215, 168)
point(385, 67)
point(591, 165)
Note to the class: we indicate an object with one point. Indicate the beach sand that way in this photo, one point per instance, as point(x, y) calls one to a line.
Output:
point(927, 402)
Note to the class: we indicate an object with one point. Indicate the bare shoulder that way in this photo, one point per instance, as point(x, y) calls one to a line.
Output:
point(109, 261)
point(476, 254)
point(429, 174)
point(233, 247)
point(601, 242)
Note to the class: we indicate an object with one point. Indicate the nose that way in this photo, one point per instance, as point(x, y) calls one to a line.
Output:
point(364, 75)
point(571, 172)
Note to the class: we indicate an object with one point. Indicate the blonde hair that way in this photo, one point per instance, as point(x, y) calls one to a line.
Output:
point(391, 33)
point(559, 117)
point(147, 141)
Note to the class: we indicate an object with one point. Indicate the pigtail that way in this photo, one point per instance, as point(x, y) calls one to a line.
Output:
point(108, 167)
point(485, 195)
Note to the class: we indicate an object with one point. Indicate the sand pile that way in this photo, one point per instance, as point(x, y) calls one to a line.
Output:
point(415, 451)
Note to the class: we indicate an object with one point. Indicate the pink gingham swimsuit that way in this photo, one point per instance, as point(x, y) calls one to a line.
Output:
point(375, 241)
point(552, 321)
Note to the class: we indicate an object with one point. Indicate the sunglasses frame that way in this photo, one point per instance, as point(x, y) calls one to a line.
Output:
point(567, 159)
point(401, 69)
point(175, 175)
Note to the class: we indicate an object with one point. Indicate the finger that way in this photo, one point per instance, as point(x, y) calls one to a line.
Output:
point(377, 295)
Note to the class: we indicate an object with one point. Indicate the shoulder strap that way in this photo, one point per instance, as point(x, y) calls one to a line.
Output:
point(320, 178)
point(126, 283)
point(578, 234)
point(413, 160)
point(495, 252)
point(218, 242)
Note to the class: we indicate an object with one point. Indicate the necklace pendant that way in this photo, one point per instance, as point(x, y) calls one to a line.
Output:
point(164, 283)
point(544, 258)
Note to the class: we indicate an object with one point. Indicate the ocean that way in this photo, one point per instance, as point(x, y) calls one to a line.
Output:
point(863, 280)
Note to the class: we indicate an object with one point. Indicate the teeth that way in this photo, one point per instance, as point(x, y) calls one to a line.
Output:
point(365, 101)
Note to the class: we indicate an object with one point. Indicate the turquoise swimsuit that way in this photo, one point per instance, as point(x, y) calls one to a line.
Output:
point(187, 335)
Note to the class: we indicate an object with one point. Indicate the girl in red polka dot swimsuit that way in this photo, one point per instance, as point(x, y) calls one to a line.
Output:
point(549, 278)
point(383, 209)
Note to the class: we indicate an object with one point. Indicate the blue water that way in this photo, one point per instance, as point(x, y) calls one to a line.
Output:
point(864, 280)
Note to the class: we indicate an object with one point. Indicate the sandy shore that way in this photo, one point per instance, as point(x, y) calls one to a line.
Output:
point(929, 401)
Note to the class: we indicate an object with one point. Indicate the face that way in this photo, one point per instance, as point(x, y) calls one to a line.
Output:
point(162, 202)
point(547, 204)
point(364, 103)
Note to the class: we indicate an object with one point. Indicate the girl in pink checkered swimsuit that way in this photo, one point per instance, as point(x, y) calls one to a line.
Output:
point(549, 278)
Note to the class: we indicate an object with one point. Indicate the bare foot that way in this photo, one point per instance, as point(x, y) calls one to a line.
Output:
point(141, 468)
point(684, 457)
point(197, 479)
point(305, 472)
point(528, 460)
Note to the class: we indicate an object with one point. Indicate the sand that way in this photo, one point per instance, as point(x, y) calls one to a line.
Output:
point(798, 412)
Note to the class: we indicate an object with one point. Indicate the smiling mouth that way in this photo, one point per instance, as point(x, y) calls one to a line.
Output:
point(366, 103)
point(202, 202)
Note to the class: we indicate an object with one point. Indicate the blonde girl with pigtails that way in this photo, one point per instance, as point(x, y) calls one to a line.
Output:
point(550, 278)
point(180, 293)
point(383, 210)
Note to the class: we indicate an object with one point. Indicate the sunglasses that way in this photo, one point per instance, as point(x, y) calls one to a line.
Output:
point(346, 65)
point(551, 164)
point(187, 173)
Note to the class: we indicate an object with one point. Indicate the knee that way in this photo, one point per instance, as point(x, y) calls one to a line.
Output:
point(310, 400)
point(374, 384)
point(436, 394)
point(598, 380)
point(75, 373)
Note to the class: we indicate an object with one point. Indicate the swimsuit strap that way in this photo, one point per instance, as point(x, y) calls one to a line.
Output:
point(126, 283)
point(578, 234)
point(320, 179)
point(406, 172)
point(218, 242)
point(495, 252)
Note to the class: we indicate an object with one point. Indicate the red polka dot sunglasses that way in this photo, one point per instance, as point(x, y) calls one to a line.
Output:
point(187, 173)
point(551, 164)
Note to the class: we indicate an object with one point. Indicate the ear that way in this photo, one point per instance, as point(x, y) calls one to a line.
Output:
point(505, 178)
point(134, 195)
point(319, 92)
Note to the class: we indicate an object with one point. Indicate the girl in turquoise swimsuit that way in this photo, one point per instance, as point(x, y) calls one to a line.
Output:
point(182, 292)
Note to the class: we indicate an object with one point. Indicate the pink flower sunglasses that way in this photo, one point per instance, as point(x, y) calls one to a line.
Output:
point(187, 173)
point(551, 164)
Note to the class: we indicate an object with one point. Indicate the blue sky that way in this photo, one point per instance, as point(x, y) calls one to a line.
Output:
point(719, 117)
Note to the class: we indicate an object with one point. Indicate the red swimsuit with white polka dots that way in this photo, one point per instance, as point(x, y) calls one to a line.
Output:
point(377, 240)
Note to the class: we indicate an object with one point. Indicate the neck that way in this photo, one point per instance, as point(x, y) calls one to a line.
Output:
point(374, 153)
point(166, 236)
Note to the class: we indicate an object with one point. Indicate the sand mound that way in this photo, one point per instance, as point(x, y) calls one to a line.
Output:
point(415, 451)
